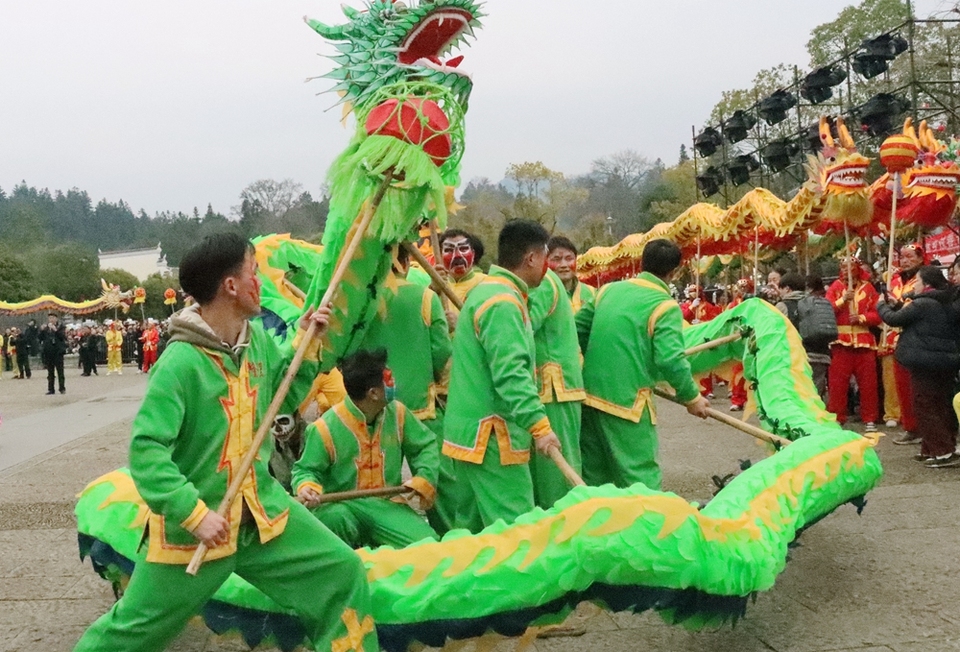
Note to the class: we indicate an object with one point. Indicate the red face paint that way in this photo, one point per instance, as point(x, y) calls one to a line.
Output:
point(458, 257)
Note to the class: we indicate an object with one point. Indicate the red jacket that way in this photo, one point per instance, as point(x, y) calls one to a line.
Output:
point(854, 325)
point(703, 312)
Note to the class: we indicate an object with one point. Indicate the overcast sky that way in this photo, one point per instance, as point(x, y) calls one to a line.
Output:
point(176, 103)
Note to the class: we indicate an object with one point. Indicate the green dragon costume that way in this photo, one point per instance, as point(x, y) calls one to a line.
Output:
point(629, 549)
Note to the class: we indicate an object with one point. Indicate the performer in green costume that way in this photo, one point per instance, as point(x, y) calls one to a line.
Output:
point(412, 327)
point(197, 421)
point(495, 410)
point(562, 258)
point(361, 444)
point(460, 252)
point(631, 337)
point(561, 383)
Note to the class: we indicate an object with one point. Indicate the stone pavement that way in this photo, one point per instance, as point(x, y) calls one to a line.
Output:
point(886, 581)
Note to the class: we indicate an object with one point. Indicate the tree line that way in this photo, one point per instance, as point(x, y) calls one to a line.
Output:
point(49, 241)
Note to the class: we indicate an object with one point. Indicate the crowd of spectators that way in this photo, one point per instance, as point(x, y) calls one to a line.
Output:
point(21, 349)
point(884, 351)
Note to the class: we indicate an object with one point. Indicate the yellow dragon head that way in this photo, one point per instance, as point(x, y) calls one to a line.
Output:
point(839, 174)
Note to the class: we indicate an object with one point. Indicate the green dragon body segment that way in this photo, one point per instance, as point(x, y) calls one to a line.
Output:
point(627, 548)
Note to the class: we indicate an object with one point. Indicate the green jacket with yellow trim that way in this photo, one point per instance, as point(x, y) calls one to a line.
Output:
point(632, 339)
point(493, 390)
point(341, 454)
point(201, 410)
point(582, 295)
point(412, 327)
point(555, 336)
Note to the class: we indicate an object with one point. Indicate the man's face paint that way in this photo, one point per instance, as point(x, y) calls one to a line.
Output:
point(389, 386)
point(458, 256)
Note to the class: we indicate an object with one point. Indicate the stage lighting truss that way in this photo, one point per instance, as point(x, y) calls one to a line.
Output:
point(773, 108)
point(740, 167)
point(882, 114)
point(875, 54)
point(708, 142)
point(710, 181)
point(778, 154)
point(818, 86)
point(737, 126)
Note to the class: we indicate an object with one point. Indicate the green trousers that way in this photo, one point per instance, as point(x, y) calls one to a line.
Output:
point(549, 485)
point(490, 491)
point(374, 522)
point(619, 452)
point(443, 515)
point(306, 569)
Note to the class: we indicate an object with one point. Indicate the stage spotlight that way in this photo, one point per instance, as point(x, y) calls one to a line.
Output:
point(740, 167)
point(773, 108)
point(875, 54)
point(818, 86)
point(777, 154)
point(710, 181)
point(735, 128)
point(883, 113)
point(707, 142)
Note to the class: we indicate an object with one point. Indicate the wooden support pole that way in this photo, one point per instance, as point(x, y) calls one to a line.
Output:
point(572, 477)
point(434, 275)
point(722, 417)
point(712, 344)
point(382, 492)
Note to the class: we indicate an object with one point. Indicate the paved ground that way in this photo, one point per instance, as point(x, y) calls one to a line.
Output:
point(883, 582)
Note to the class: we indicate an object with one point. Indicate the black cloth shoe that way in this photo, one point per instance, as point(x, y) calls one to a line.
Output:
point(51, 392)
point(907, 439)
point(953, 459)
point(63, 390)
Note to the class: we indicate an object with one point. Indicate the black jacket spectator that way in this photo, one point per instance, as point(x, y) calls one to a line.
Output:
point(929, 337)
point(53, 343)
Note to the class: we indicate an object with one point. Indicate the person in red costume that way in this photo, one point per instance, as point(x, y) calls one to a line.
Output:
point(151, 342)
point(738, 385)
point(854, 354)
point(897, 394)
point(698, 309)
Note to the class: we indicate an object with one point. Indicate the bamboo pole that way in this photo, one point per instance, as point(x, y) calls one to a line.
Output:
point(435, 245)
point(434, 275)
point(294, 290)
point(712, 344)
point(892, 248)
point(572, 477)
point(849, 263)
point(753, 431)
point(267, 422)
point(382, 492)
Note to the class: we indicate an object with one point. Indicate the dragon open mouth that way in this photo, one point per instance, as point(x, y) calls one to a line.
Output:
point(849, 177)
point(433, 37)
point(942, 181)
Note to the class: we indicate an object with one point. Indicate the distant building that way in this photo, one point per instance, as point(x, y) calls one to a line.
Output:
point(139, 262)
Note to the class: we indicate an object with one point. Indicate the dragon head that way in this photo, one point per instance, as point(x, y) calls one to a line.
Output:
point(392, 42)
point(928, 189)
point(839, 172)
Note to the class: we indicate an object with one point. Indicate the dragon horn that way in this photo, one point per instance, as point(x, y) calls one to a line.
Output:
point(350, 12)
point(923, 135)
point(331, 32)
point(845, 138)
point(908, 130)
point(825, 136)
